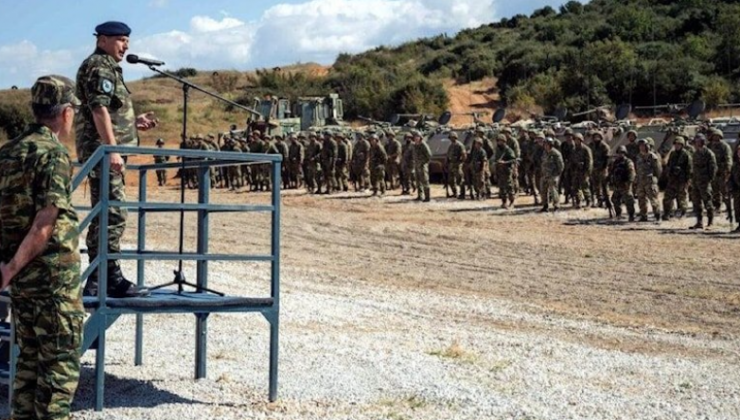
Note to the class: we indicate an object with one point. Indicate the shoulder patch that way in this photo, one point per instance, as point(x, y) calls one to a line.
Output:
point(106, 85)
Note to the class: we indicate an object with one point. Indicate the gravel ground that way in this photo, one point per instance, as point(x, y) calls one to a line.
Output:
point(383, 332)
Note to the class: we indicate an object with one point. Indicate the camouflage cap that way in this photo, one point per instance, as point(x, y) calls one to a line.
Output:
point(54, 90)
point(622, 150)
point(680, 140)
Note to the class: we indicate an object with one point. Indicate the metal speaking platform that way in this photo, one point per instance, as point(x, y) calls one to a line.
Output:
point(201, 302)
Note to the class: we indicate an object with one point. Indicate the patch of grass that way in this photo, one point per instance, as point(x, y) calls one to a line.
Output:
point(456, 352)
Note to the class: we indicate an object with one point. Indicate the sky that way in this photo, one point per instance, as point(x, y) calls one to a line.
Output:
point(40, 37)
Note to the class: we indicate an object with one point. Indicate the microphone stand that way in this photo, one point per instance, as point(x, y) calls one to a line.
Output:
point(179, 279)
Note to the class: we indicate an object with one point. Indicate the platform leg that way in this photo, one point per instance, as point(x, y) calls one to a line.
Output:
point(100, 366)
point(201, 342)
point(274, 328)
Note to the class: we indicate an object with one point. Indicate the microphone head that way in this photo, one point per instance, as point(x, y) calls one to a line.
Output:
point(132, 58)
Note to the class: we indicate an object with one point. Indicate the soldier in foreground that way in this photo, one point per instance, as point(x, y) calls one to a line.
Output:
point(581, 164)
point(422, 155)
point(552, 167)
point(704, 171)
point(40, 257)
point(479, 166)
point(677, 174)
point(648, 169)
point(107, 118)
point(622, 176)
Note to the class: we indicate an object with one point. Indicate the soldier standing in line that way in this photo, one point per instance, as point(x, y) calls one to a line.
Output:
point(408, 176)
point(526, 145)
point(454, 161)
point(504, 160)
point(161, 173)
point(479, 165)
point(580, 172)
point(648, 169)
point(513, 144)
point(422, 156)
point(282, 148)
point(565, 179)
point(256, 147)
point(538, 153)
point(677, 174)
point(233, 177)
point(633, 148)
point(107, 117)
point(622, 176)
point(703, 173)
point(723, 153)
point(360, 164)
point(328, 164)
point(344, 152)
point(378, 160)
point(313, 157)
point(295, 161)
point(552, 168)
point(40, 256)
point(734, 187)
point(600, 169)
point(393, 148)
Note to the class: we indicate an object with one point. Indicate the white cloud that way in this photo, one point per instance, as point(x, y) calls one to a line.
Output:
point(25, 62)
point(159, 4)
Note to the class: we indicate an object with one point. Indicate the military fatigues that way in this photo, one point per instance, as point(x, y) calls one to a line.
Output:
point(678, 174)
point(600, 169)
point(648, 169)
point(422, 156)
point(538, 152)
point(393, 148)
point(526, 173)
point(282, 147)
point(455, 160)
point(734, 188)
point(479, 167)
point(581, 164)
point(565, 179)
point(378, 160)
point(552, 167)
point(622, 176)
point(328, 164)
point(35, 173)
point(513, 144)
point(161, 173)
point(344, 152)
point(504, 161)
point(296, 155)
point(313, 156)
point(233, 177)
point(704, 171)
point(100, 83)
point(408, 175)
point(360, 164)
point(723, 155)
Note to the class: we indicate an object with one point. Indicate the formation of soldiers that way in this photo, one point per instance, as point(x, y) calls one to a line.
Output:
point(578, 171)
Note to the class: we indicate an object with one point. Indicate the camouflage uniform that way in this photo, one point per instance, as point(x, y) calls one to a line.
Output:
point(504, 161)
point(296, 155)
point(622, 176)
point(256, 173)
point(378, 160)
point(581, 164)
point(360, 164)
point(538, 153)
point(161, 173)
point(552, 168)
point(723, 154)
point(422, 155)
point(328, 164)
point(678, 174)
point(600, 169)
point(313, 155)
point(35, 174)
point(393, 148)
point(408, 176)
point(479, 166)
point(513, 144)
point(454, 161)
point(100, 84)
point(704, 171)
point(282, 147)
point(526, 172)
point(567, 150)
point(648, 169)
point(733, 186)
point(344, 153)
point(233, 177)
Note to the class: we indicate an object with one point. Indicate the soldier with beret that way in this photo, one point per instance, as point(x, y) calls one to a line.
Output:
point(107, 117)
point(40, 255)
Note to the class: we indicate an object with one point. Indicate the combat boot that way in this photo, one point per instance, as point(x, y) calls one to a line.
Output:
point(710, 218)
point(618, 212)
point(418, 195)
point(643, 218)
point(631, 215)
point(462, 193)
point(427, 197)
point(657, 217)
point(737, 230)
point(545, 209)
point(666, 216)
point(504, 205)
point(698, 224)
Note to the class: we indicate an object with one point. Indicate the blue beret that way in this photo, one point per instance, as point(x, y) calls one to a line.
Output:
point(113, 29)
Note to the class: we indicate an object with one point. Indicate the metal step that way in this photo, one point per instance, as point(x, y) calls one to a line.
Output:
point(4, 331)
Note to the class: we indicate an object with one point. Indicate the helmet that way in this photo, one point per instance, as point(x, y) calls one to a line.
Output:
point(160, 142)
point(578, 136)
point(550, 141)
point(642, 141)
point(597, 133)
point(373, 136)
point(550, 132)
point(633, 132)
point(622, 150)
point(650, 142)
point(501, 137)
point(568, 131)
point(506, 130)
point(478, 140)
point(680, 140)
point(416, 133)
point(390, 133)
point(716, 132)
point(700, 137)
point(539, 135)
point(453, 135)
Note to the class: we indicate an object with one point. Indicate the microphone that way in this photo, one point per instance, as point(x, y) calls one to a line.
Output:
point(134, 59)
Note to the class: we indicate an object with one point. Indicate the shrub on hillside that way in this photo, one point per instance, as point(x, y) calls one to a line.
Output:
point(14, 118)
